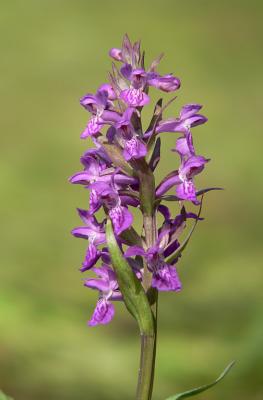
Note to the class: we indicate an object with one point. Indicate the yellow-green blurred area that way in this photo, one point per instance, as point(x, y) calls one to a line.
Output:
point(53, 52)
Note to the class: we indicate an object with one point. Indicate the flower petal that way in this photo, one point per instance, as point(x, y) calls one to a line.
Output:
point(103, 313)
point(121, 218)
point(134, 97)
point(134, 251)
point(186, 191)
point(167, 183)
point(166, 279)
point(134, 149)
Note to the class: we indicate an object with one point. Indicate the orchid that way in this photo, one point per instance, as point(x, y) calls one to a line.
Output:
point(118, 174)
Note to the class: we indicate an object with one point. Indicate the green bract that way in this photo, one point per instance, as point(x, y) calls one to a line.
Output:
point(133, 293)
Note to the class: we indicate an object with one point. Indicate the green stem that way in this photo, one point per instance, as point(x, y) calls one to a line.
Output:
point(148, 341)
point(145, 379)
point(147, 360)
point(155, 314)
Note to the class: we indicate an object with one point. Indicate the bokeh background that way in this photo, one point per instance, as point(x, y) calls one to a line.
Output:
point(54, 51)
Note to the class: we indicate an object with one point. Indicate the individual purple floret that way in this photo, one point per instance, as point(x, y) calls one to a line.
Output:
point(107, 285)
point(118, 173)
point(165, 276)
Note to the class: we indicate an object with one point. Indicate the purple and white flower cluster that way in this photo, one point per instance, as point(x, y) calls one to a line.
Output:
point(111, 173)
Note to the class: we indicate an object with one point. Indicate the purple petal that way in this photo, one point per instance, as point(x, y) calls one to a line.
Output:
point(92, 256)
point(184, 146)
point(166, 279)
point(97, 284)
point(134, 251)
point(81, 232)
point(121, 219)
point(134, 97)
point(186, 191)
point(94, 201)
point(171, 125)
point(82, 178)
point(121, 179)
point(103, 313)
point(138, 78)
point(167, 83)
point(92, 128)
point(192, 166)
point(105, 87)
point(178, 125)
point(115, 54)
point(167, 183)
point(134, 149)
point(129, 201)
point(89, 102)
point(195, 120)
point(126, 71)
point(189, 109)
point(125, 120)
point(171, 248)
point(164, 210)
point(109, 117)
point(93, 231)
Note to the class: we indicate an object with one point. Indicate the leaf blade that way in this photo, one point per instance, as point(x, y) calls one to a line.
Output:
point(200, 389)
point(4, 396)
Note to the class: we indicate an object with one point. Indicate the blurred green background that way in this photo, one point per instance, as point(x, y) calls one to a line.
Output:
point(54, 51)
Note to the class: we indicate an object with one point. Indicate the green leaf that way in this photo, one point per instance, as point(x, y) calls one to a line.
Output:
point(4, 397)
point(201, 389)
point(132, 291)
point(180, 249)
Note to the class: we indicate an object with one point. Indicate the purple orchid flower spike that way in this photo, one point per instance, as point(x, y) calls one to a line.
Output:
point(107, 285)
point(119, 174)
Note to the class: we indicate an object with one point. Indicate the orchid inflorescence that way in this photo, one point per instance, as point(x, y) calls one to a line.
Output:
point(119, 174)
